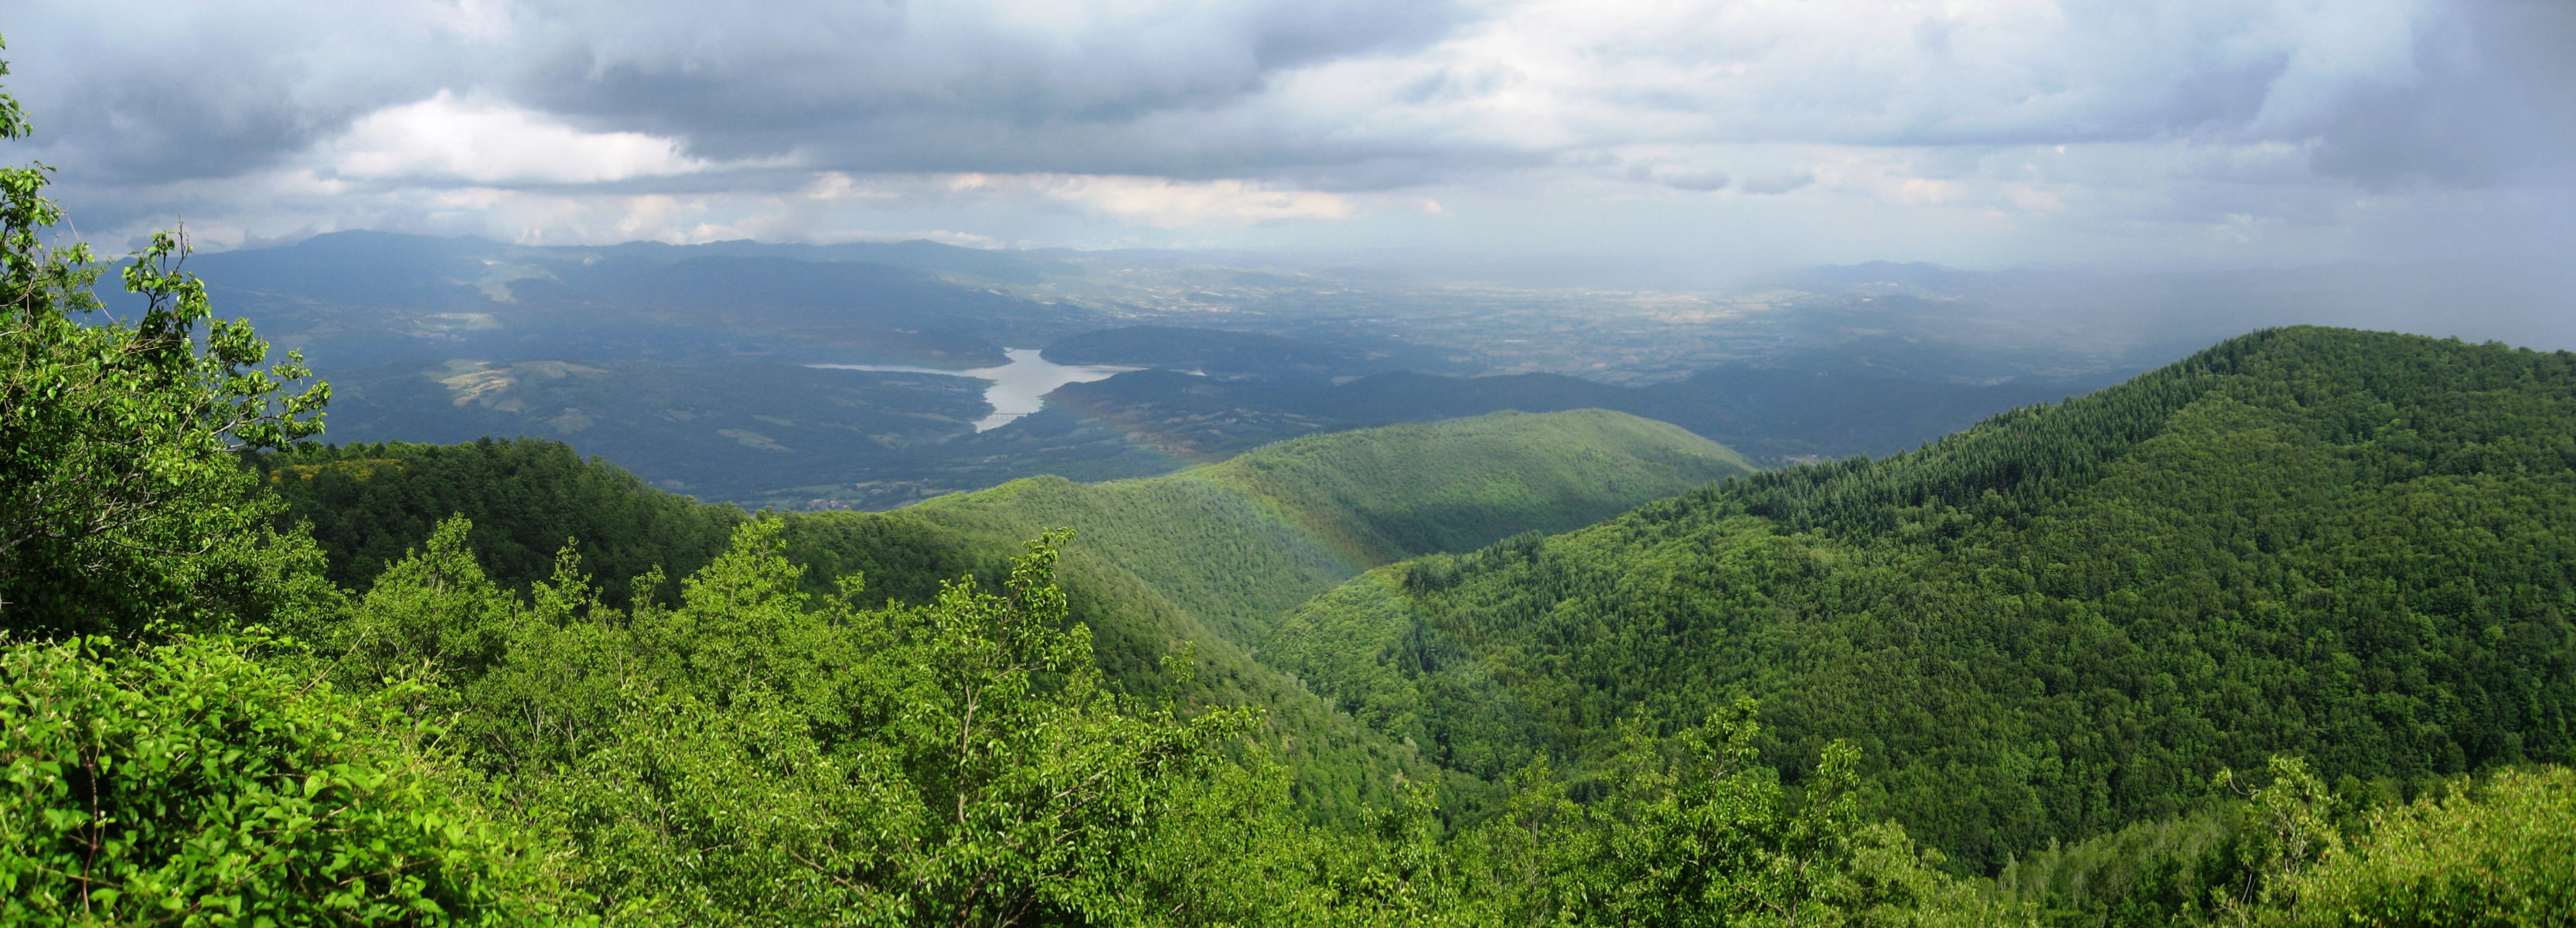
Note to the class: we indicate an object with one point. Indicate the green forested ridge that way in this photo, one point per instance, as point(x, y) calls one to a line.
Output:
point(198, 727)
point(1215, 554)
point(1235, 542)
point(1206, 556)
point(2343, 545)
point(1240, 542)
point(367, 504)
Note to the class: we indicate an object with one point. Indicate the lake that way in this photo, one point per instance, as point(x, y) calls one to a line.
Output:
point(1017, 386)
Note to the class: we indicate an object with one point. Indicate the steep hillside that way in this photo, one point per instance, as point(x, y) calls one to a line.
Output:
point(2348, 546)
point(1242, 541)
point(1373, 495)
point(1205, 558)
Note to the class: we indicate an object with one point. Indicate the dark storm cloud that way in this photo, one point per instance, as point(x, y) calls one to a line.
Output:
point(2217, 121)
point(185, 90)
point(2493, 101)
point(137, 93)
point(2473, 95)
point(179, 131)
point(897, 87)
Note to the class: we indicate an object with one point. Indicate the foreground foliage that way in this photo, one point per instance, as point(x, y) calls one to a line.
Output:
point(2491, 852)
point(1695, 830)
point(1207, 557)
point(753, 752)
point(118, 487)
point(190, 783)
point(198, 727)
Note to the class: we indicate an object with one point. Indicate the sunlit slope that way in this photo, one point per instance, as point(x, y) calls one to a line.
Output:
point(1238, 543)
point(2344, 545)
point(1205, 559)
point(1379, 494)
point(1210, 558)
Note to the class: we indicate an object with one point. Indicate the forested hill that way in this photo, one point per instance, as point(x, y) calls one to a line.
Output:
point(2344, 545)
point(1243, 541)
point(299, 691)
point(1232, 545)
point(1207, 558)
point(1345, 500)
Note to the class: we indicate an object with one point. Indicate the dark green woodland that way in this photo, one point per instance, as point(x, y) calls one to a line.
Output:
point(1206, 558)
point(2277, 635)
point(2344, 546)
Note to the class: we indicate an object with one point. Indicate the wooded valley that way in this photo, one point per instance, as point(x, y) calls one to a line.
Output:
point(2283, 633)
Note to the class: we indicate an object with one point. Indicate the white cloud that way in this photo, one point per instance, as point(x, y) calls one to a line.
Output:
point(1170, 204)
point(1488, 124)
point(490, 142)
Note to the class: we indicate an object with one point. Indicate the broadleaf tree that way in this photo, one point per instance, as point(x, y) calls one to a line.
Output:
point(122, 502)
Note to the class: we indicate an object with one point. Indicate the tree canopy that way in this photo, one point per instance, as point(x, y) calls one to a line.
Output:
point(121, 504)
point(1842, 695)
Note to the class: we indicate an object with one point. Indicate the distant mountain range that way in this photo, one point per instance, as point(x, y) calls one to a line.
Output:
point(363, 298)
point(688, 363)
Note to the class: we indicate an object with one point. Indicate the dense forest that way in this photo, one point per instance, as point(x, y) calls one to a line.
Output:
point(1204, 558)
point(1345, 501)
point(2277, 635)
point(2343, 546)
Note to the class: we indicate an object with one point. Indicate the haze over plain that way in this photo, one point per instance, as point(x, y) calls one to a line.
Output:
point(1630, 143)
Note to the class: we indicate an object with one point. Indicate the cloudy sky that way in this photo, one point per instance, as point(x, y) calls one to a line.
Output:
point(1981, 133)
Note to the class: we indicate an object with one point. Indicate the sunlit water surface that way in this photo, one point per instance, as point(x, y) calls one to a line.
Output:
point(1017, 386)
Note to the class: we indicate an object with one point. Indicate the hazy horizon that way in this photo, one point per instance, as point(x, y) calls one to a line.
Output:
point(1733, 134)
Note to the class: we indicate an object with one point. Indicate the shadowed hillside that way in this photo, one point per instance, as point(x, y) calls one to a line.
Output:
point(2345, 545)
point(1206, 558)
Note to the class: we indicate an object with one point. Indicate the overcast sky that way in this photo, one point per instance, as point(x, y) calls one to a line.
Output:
point(1980, 133)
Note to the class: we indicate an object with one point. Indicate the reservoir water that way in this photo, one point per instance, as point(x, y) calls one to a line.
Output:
point(1017, 386)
